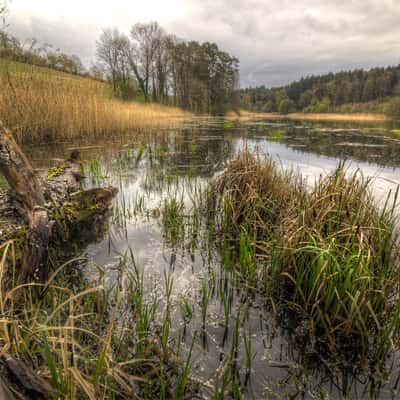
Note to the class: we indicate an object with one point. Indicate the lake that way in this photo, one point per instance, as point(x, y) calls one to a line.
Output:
point(211, 309)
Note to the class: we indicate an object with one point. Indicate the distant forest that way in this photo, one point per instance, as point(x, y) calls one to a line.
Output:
point(375, 90)
point(148, 65)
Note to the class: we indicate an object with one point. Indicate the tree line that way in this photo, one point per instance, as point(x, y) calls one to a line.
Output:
point(329, 92)
point(163, 68)
point(43, 55)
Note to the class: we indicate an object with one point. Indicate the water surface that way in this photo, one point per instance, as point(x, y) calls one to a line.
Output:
point(177, 163)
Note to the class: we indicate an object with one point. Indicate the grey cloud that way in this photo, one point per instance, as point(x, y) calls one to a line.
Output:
point(276, 41)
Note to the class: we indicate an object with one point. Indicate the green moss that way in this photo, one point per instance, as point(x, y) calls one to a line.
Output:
point(395, 131)
point(276, 135)
point(228, 125)
point(56, 171)
point(3, 183)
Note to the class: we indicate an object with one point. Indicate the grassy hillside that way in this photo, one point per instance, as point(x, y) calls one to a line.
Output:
point(40, 103)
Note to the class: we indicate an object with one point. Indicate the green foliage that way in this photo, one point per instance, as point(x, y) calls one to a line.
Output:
point(3, 183)
point(228, 124)
point(329, 92)
point(56, 171)
point(287, 106)
point(393, 107)
point(321, 106)
point(276, 135)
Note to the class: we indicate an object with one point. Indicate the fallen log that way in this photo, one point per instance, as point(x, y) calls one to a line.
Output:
point(23, 377)
point(42, 212)
point(25, 186)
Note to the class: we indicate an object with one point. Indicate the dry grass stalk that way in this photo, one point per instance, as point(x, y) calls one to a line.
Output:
point(41, 104)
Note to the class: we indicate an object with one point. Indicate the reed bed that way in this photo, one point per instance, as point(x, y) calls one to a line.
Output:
point(330, 251)
point(41, 104)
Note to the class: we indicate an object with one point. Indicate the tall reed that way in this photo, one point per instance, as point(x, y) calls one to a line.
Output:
point(42, 104)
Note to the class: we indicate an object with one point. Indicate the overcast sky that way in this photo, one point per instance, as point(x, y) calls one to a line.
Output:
point(277, 41)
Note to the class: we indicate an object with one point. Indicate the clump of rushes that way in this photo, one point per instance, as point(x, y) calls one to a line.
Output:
point(253, 194)
point(173, 219)
point(339, 255)
point(331, 248)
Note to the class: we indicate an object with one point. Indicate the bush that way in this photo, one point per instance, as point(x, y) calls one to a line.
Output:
point(393, 107)
point(287, 106)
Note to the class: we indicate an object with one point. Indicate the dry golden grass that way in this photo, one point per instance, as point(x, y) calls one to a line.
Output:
point(310, 116)
point(38, 103)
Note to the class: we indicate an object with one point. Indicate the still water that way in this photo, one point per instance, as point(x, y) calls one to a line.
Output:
point(177, 163)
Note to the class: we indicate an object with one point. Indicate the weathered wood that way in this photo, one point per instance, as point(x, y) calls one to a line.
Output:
point(42, 204)
point(50, 211)
point(25, 185)
point(5, 393)
point(31, 383)
point(36, 243)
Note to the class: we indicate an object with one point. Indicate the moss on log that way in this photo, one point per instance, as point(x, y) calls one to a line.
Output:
point(42, 213)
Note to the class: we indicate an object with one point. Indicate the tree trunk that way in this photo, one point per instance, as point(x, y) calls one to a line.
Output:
point(25, 185)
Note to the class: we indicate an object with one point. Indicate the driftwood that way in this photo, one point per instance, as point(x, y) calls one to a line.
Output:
point(19, 375)
point(48, 209)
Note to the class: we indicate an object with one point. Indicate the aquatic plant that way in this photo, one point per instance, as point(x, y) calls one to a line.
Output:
point(331, 249)
point(173, 219)
point(340, 254)
point(275, 135)
point(228, 124)
point(91, 341)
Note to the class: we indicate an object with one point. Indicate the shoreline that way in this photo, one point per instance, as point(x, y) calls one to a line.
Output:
point(361, 117)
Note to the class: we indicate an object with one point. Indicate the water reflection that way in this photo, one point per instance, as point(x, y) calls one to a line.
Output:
point(178, 163)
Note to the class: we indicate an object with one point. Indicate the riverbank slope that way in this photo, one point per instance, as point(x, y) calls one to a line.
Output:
point(38, 103)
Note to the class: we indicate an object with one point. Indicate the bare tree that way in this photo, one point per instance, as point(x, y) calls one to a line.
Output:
point(196, 76)
point(3, 13)
point(113, 49)
point(146, 41)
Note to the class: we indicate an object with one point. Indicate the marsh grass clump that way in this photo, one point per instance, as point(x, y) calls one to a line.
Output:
point(173, 219)
point(339, 258)
point(330, 251)
point(252, 194)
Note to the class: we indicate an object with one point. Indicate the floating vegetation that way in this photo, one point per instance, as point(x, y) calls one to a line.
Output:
point(276, 135)
point(228, 124)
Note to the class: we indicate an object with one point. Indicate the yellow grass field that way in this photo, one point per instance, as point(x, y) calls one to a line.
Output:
point(42, 104)
point(311, 116)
